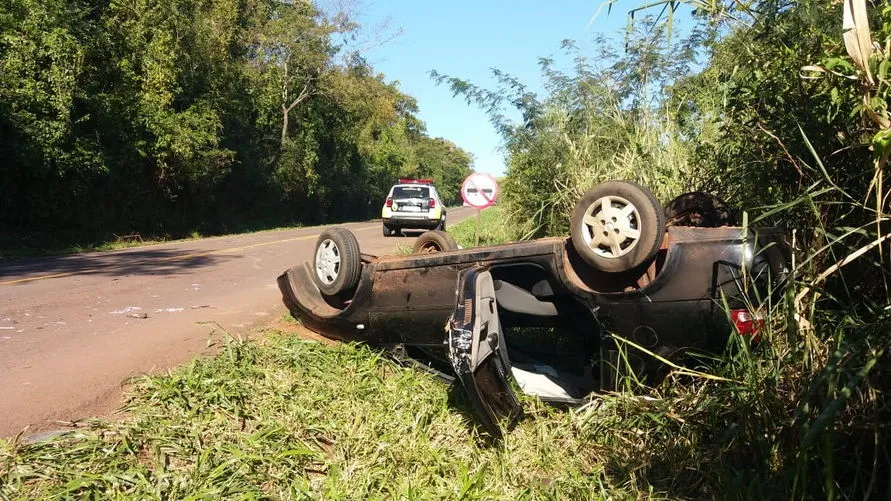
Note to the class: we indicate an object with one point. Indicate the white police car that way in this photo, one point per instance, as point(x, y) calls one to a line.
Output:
point(413, 204)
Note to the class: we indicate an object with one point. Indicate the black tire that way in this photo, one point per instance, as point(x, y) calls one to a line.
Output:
point(332, 278)
point(617, 226)
point(434, 241)
point(700, 209)
point(388, 232)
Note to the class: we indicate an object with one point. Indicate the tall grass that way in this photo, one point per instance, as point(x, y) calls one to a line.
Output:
point(580, 141)
point(602, 117)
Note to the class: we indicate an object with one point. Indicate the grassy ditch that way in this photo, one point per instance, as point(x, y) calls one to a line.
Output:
point(291, 418)
point(493, 229)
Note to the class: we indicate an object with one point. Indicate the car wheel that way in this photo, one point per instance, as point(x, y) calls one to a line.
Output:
point(434, 241)
point(700, 209)
point(442, 224)
point(337, 263)
point(388, 232)
point(617, 226)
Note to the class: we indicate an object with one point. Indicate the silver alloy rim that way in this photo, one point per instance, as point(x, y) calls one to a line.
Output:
point(327, 261)
point(611, 227)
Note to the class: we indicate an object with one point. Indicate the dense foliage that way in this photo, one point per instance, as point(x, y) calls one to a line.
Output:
point(168, 116)
point(773, 106)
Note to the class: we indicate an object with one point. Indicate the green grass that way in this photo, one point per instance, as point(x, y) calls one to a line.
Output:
point(493, 229)
point(402, 250)
point(289, 418)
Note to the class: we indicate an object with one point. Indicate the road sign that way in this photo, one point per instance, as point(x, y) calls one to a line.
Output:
point(479, 190)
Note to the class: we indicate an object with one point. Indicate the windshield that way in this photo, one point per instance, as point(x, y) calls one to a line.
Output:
point(411, 192)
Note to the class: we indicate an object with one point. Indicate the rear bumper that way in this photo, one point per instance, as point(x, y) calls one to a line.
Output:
point(411, 221)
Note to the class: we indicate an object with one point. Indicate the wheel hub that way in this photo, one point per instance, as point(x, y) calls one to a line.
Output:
point(327, 262)
point(611, 226)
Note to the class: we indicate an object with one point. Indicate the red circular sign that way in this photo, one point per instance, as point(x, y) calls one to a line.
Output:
point(479, 190)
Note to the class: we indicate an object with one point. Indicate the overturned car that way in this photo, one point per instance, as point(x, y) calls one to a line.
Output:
point(553, 314)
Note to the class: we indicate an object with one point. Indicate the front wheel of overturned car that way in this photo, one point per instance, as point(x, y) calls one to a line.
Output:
point(337, 262)
point(617, 226)
point(434, 241)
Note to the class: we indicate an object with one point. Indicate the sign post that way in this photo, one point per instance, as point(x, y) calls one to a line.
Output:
point(479, 191)
point(479, 222)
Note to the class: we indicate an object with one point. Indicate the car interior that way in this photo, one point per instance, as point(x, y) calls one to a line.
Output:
point(552, 339)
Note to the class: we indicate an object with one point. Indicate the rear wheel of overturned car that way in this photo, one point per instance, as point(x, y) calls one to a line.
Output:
point(434, 241)
point(337, 264)
point(617, 226)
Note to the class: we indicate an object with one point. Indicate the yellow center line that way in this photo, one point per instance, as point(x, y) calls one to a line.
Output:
point(168, 259)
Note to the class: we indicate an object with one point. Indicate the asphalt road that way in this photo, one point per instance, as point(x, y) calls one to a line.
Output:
point(72, 328)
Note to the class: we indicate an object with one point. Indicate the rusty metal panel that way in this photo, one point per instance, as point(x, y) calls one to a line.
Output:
point(413, 289)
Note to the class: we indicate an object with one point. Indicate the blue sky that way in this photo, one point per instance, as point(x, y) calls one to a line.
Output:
point(466, 39)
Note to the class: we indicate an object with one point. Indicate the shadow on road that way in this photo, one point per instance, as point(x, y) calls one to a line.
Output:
point(140, 262)
point(409, 233)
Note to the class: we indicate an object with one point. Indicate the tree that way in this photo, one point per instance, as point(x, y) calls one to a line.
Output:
point(291, 51)
point(445, 163)
point(42, 64)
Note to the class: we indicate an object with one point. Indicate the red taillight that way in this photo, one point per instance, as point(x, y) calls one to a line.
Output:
point(389, 202)
point(432, 203)
point(747, 323)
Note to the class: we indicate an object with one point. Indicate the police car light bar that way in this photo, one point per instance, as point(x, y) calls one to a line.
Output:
point(405, 180)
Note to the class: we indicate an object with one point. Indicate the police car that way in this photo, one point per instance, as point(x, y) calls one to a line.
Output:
point(413, 204)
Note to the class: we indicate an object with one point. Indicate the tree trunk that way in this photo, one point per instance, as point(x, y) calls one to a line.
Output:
point(286, 111)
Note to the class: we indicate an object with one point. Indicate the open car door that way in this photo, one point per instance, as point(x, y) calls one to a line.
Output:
point(478, 354)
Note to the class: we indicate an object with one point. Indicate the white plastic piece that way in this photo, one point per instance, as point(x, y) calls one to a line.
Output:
point(539, 380)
